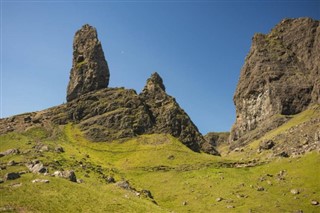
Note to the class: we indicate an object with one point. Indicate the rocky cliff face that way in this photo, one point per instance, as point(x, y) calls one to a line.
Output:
point(280, 77)
point(89, 68)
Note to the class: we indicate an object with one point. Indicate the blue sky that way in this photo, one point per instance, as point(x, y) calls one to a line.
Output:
point(198, 47)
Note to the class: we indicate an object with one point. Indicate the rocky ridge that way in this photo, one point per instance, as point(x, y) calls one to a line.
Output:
point(280, 78)
point(106, 114)
point(117, 113)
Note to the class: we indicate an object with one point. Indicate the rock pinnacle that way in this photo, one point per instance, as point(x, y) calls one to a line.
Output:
point(155, 83)
point(89, 70)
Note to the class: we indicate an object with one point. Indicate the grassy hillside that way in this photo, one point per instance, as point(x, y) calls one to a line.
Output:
point(180, 180)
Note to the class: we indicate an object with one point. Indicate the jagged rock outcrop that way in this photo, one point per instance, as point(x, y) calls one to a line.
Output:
point(168, 117)
point(110, 114)
point(118, 113)
point(280, 77)
point(90, 70)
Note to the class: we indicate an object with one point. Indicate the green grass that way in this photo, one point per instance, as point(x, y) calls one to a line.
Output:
point(64, 196)
point(159, 163)
point(201, 186)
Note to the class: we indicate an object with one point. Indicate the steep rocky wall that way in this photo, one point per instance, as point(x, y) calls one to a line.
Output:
point(280, 76)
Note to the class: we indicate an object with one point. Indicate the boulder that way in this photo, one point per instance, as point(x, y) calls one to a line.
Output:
point(294, 191)
point(124, 185)
point(79, 181)
point(11, 176)
point(40, 181)
point(36, 166)
point(68, 174)
point(110, 179)
point(219, 199)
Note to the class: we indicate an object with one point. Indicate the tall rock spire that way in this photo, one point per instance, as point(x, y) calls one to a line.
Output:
point(89, 68)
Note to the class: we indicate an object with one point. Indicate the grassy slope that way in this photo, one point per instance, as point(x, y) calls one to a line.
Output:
point(159, 163)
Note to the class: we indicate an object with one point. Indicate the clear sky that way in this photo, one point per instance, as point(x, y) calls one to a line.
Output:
point(198, 47)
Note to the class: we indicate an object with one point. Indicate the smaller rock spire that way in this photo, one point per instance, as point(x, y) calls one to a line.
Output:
point(170, 118)
point(154, 84)
point(89, 67)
